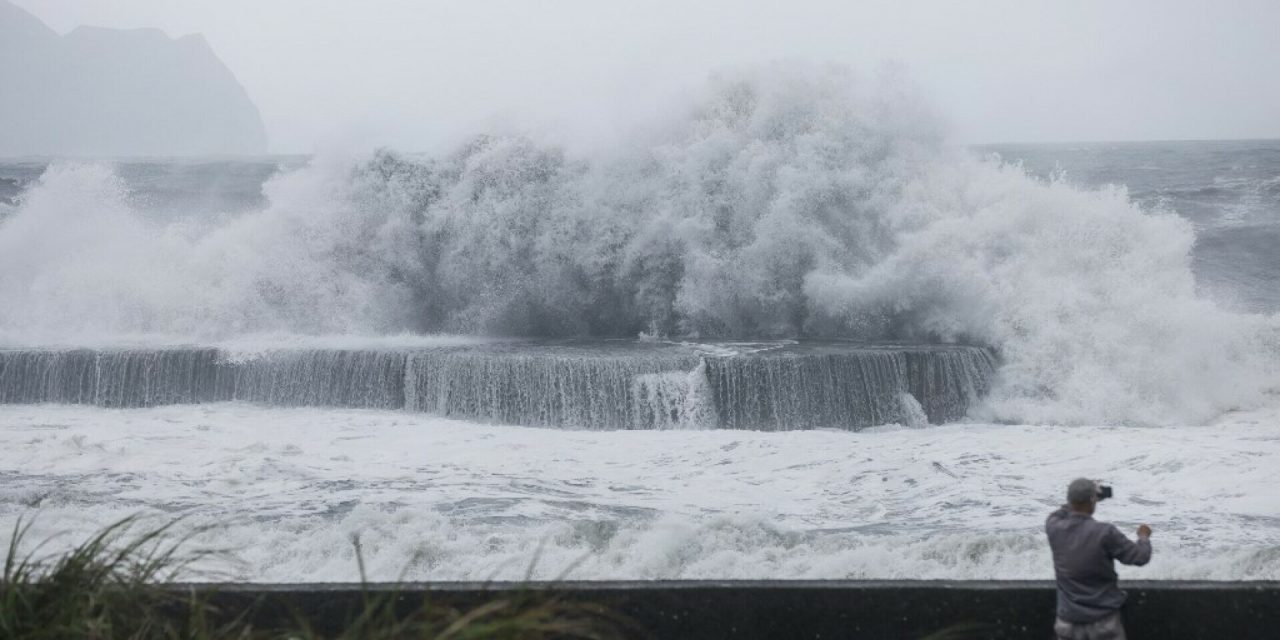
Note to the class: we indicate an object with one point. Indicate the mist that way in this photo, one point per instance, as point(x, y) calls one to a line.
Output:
point(424, 76)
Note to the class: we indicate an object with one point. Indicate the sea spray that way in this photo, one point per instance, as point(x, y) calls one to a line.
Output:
point(790, 201)
point(1090, 299)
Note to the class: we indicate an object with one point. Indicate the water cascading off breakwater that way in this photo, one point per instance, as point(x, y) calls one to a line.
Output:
point(582, 384)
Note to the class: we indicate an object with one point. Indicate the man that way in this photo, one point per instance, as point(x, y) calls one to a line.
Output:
point(1084, 549)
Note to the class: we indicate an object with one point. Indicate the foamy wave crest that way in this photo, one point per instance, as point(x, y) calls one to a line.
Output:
point(1090, 300)
point(76, 260)
point(788, 202)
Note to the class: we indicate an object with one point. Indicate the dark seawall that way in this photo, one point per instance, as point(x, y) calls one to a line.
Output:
point(587, 384)
point(879, 610)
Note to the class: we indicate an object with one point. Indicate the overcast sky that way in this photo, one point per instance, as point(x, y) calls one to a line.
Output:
point(419, 74)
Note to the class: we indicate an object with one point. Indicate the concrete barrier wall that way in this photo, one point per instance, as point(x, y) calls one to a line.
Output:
point(827, 609)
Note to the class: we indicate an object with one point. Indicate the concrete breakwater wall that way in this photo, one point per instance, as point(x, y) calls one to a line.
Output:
point(587, 384)
point(880, 610)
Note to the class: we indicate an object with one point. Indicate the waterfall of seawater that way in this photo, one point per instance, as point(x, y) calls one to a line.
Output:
point(151, 377)
point(593, 385)
point(124, 378)
point(318, 378)
point(799, 387)
point(619, 388)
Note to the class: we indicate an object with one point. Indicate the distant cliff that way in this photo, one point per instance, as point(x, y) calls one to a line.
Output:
point(117, 92)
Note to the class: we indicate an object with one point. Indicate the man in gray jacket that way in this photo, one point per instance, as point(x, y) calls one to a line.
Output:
point(1084, 551)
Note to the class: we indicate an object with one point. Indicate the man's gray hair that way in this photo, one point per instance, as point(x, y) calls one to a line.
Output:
point(1082, 491)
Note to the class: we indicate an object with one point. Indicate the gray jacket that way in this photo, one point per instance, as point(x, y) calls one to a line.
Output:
point(1083, 554)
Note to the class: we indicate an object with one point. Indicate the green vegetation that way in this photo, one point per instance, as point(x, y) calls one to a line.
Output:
point(120, 583)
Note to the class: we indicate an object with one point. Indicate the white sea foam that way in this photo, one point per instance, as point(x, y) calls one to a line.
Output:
point(439, 499)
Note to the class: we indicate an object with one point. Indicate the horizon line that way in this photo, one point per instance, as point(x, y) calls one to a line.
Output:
point(311, 154)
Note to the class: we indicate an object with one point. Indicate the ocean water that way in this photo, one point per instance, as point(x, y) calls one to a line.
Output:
point(1228, 189)
point(435, 499)
point(1125, 294)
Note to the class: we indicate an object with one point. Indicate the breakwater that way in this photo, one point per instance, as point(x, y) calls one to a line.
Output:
point(575, 384)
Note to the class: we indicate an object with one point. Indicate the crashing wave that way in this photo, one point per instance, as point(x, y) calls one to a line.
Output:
point(788, 202)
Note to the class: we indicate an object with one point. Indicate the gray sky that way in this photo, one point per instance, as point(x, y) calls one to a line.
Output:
point(416, 75)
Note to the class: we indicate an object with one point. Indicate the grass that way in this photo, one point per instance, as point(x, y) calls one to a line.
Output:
point(105, 587)
point(120, 584)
